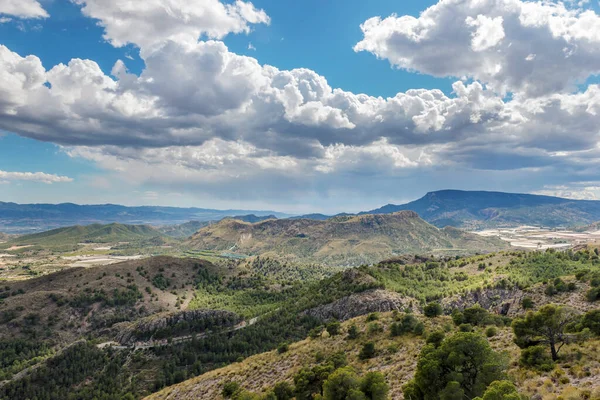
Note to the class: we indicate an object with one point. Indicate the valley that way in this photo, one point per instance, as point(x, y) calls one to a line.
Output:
point(132, 311)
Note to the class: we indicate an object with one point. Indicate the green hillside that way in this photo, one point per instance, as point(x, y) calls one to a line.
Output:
point(343, 240)
point(96, 233)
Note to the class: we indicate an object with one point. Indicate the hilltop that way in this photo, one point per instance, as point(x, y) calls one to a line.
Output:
point(480, 209)
point(340, 240)
point(95, 233)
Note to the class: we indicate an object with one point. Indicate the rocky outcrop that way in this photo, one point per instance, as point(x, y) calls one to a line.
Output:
point(351, 306)
point(184, 322)
point(497, 300)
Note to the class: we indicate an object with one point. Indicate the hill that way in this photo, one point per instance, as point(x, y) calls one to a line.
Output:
point(27, 218)
point(95, 233)
point(480, 209)
point(165, 337)
point(182, 230)
point(346, 240)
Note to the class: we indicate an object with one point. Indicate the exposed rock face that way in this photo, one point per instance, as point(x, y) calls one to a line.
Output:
point(377, 300)
point(198, 319)
point(499, 301)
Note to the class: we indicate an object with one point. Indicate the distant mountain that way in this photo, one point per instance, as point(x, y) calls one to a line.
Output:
point(183, 230)
point(95, 233)
point(345, 240)
point(253, 218)
point(477, 209)
point(27, 218)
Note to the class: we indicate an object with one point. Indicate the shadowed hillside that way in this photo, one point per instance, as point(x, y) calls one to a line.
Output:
point(340, 240)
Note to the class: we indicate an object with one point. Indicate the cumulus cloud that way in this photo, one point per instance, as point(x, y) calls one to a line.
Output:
point(200, 117)
point(41, 177)
point(159, 21)
point(22, 9)
point(532, 47)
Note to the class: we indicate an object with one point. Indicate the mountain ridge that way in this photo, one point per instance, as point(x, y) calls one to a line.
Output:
point(345, 240)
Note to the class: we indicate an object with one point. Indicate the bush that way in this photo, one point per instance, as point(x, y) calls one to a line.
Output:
point(373, 317)
point(536, 357)
point(465, 328)
point(432, 310)
point(367, 351)
point(527, 303)
point(491, 331)
point(230, 388)
point(283, 391)
point(593, 294)
point(282, 348)
point(333, 328)
point(374, 328)
point(353, 332)
point(435, 338)
point(457, 317)
point(591, 321)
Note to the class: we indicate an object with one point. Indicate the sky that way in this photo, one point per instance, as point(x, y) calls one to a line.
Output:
point(312, 106)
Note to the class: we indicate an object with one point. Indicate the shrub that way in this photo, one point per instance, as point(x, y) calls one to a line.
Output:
point(432, 310)
point(282, 348)
point(367, 351)
point(465, 328)
point(536, 357)
point(373, 317)
point(230, 388)
point(333, 328)
point(527, 303)
point(435, 338)
point(353, 332)
point(593, 294)
point(491, 331)
point(283, 391)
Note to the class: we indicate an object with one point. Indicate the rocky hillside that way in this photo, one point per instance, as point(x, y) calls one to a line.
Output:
point(478, 209)
point(344, 240)
point(77, 301)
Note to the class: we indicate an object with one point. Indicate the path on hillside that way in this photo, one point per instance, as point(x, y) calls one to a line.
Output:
point(179, 339)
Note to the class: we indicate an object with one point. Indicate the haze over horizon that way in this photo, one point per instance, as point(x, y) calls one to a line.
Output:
point(270, 106)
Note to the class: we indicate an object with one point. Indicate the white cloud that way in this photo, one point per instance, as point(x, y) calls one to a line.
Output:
point(490, 41)
point(41, 177)
point(22, 9)
point(159, 21)
point(201, 118)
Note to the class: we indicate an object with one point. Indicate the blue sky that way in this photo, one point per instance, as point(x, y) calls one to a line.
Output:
point(200, 119)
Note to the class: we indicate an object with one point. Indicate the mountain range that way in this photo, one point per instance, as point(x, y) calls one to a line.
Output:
point(457, 208)
point(27, 218)
point(480, 209)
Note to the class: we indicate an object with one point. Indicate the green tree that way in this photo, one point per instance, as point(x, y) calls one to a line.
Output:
point(436, 338)
point(374, 386)
point(433, 310)
point(547, 326)
point(463, 365)
point(283, 391)
point(340, 383)
point(591, 320)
